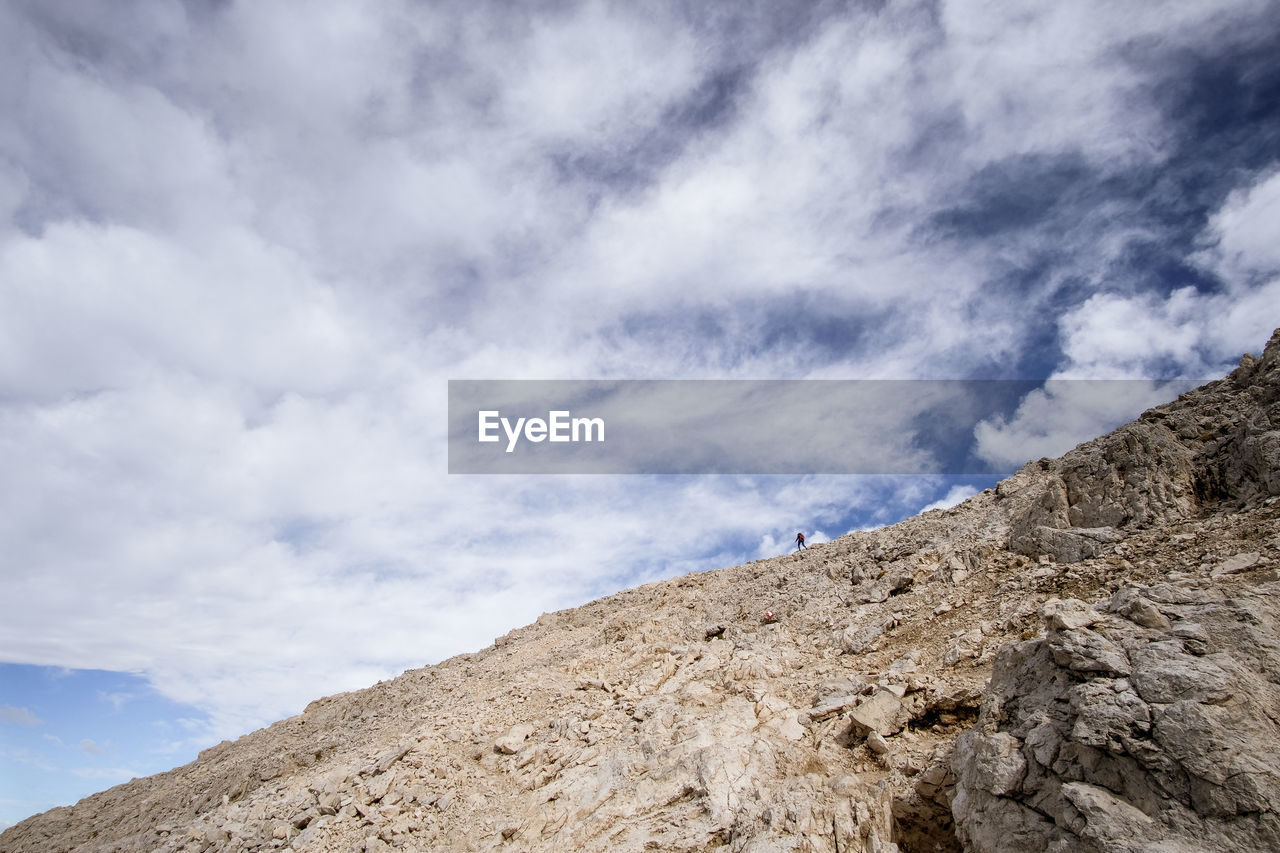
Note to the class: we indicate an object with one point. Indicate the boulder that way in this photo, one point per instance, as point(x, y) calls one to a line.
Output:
point(513, 741)
point(882, 712)
point(856, 640)
point(1130, 741)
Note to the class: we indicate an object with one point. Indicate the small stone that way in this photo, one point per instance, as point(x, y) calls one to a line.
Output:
point(1236, 564)
point(513, 741)
point(877, 744)
point(857, 640)
point(830, 707)
point(881, 713)
point(1067, 614)
point(328, 803)
point(1131, 604)
point(847, 786)
point(907, 663)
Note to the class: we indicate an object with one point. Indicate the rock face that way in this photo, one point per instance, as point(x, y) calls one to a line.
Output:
point(1160, 468)
point(1121, 602)
point(1149, 727)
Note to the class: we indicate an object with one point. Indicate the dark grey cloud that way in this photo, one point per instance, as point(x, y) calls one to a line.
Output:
point(1017, 194)
point(738, 39)
point(638, 161)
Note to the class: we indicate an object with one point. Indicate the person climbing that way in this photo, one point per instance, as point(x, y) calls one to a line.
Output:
point(799, 541)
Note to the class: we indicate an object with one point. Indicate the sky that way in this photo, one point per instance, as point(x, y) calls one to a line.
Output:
point(245, 246)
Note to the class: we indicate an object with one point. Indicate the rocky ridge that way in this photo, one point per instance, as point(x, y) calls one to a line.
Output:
point(1083, 658)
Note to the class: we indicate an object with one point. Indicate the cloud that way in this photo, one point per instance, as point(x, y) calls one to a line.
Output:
point(954, 496)
point(117, 700)
point(1188, 332)
point(87, 745)
point(18, 716)
point(28, 758)
point(238, 278)
point(1052, 420)
point(1243, 232)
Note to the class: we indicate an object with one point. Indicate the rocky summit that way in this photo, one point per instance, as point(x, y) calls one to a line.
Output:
point(1085, 658)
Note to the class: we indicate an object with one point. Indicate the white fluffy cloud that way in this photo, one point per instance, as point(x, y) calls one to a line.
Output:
point(1051, 420)
point(1244, 232)
point(955, 496)
point(1192, 334)
point(242, 248)
point(1200, 334)
point(18, 716)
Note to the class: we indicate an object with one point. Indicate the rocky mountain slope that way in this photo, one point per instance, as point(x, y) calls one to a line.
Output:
point(1084, 658)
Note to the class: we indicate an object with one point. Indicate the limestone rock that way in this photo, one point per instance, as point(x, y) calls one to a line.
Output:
point(1131, 604)
point(832, 706)
point(669, 716)
point(513, 741)
point(1238, 563)
point(856, 640)
point(895, 580)
point(1064, 546)
point(882, 712)
point(1172, 757)
point(1067, 615)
